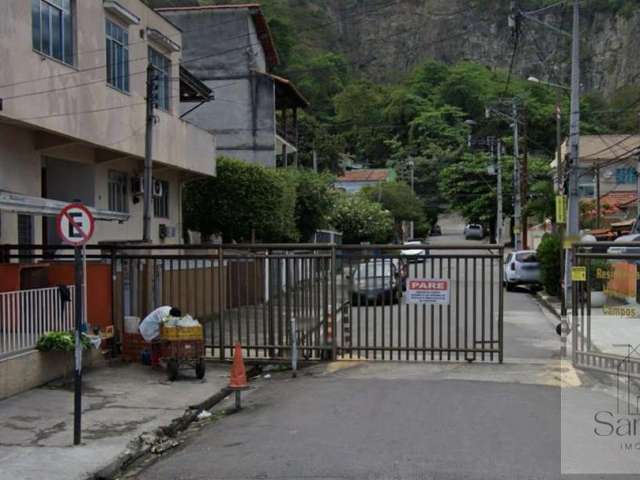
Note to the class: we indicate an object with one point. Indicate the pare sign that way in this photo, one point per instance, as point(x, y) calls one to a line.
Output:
point(428, 291)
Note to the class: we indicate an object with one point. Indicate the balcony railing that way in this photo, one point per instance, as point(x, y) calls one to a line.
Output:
point(26, 315)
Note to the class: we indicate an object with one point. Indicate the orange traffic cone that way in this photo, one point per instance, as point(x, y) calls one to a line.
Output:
point(238, 376)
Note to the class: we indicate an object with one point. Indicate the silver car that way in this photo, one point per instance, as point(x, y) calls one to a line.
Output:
point(473, 231)
point(522, 268)
point(380, 280)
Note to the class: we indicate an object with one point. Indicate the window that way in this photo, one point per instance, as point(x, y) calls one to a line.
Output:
point(52, 28)
point(117, 56)
point(626, 175)
point(163, 71)
point(118, 192)
point(161, 202)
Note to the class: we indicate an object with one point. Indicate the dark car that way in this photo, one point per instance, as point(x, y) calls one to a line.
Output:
point(436, 231)
point(380, 280)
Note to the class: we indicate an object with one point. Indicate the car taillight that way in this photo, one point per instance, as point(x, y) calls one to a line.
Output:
point(513, 267)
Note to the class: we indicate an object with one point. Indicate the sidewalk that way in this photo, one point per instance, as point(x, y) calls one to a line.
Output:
point(613, 327)
point(119, 403)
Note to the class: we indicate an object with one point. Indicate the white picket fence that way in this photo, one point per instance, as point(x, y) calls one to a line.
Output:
point(26, 315)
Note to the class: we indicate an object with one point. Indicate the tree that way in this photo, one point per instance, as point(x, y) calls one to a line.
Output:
point(471, 190)
point(242, 200)
point(315, 199)
point(398, 199)
point(361, 220)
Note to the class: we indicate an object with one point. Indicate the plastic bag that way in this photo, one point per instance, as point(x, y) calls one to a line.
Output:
point(187, 321)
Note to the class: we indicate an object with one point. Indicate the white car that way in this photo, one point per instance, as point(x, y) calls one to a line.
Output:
point(414, 252)
point(473, 231)
point(522, 268)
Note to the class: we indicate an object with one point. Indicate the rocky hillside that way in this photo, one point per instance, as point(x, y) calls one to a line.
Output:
point(389, 37)
point(386, 38)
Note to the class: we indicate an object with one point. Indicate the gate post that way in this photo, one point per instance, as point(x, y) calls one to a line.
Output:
point(221, 303)
point(334, 304)
point(501, 307)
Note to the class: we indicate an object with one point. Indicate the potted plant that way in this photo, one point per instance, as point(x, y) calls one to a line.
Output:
point(62, 344)
point(598, 276)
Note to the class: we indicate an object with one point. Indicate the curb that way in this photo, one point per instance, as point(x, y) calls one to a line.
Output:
point(138, 448)
point(546, 303)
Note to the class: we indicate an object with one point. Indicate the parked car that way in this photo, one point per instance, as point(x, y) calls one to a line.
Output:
point(522, 268)
point(380, 279)
point(473, 231)
point(436, 231)
point(414, 254)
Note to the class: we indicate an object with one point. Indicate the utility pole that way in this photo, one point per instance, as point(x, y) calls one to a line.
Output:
point(573, 217)
point(148, 146)
point(524, 181)
point(598, 202)
point(517, 209)
point(413, 168)
point(499, 216)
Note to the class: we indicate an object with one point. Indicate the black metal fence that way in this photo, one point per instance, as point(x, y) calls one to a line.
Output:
point(605, 314)
point(340, 302)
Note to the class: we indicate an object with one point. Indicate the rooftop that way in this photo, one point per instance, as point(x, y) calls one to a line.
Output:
point(366, 175)
point(259, 20)
point(596, 148)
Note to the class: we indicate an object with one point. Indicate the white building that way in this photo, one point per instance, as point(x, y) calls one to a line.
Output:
point(72, 118)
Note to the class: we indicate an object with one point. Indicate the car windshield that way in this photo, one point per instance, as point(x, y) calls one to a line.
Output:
point(475, 227)
point(527, 257)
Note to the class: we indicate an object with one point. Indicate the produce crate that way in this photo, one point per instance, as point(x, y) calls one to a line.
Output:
point(173, 333)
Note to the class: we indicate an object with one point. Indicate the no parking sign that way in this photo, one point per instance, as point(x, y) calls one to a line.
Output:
point(75, 224)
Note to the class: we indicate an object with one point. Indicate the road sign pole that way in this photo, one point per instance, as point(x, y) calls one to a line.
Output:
point(79, 310)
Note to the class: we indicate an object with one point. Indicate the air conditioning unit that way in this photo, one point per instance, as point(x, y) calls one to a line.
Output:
point(137, 185)
point(163, 231)
point(157, 188)
point(166, 231)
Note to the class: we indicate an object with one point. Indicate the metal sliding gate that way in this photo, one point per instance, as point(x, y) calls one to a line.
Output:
point(332, 302)
point(605, 314)
point(378, 320)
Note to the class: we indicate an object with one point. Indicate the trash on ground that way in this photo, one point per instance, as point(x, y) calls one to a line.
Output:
point(204, 414)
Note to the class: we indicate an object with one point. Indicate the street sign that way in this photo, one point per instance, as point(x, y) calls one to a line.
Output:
point(428, 291)
point(578, 274)
point(561, 209)
point(75, 224)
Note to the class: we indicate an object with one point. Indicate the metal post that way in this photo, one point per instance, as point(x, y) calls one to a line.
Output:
point(517, 210)
point(334, 304)
point(148, 145)
point(598, 202)
point(294, 347)
point(499, 219)
point(238, 400)
point(573, 217)
point(413, 168)
point(77, 384)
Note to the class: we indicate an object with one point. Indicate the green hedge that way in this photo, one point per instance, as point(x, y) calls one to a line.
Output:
point(550, 257)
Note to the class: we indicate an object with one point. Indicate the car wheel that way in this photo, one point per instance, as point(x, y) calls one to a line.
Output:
point(510, 287)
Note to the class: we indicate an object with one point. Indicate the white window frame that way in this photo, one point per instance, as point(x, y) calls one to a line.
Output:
point(117, 192)
point(117, 54)
point(162, 205)
point(163, 74)
point(65, 9)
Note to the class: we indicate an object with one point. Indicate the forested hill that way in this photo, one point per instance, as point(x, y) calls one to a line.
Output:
point(384, 39)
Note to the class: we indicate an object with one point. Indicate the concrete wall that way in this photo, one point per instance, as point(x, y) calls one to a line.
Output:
point(226, 53)
point(33, 368)
point(76, 102)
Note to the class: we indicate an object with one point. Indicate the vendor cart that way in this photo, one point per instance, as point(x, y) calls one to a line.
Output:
point(182, 348)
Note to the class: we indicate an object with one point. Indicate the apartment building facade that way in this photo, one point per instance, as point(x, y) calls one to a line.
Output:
point(73, 114)
point(230, 48)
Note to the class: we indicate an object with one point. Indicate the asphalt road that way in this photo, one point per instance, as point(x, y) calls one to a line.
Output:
point(530, 418)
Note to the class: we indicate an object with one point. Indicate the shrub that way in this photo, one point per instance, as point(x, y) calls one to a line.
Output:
point(242, 199)
point(61, 342)
point(361, 220)
point(550, 257)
